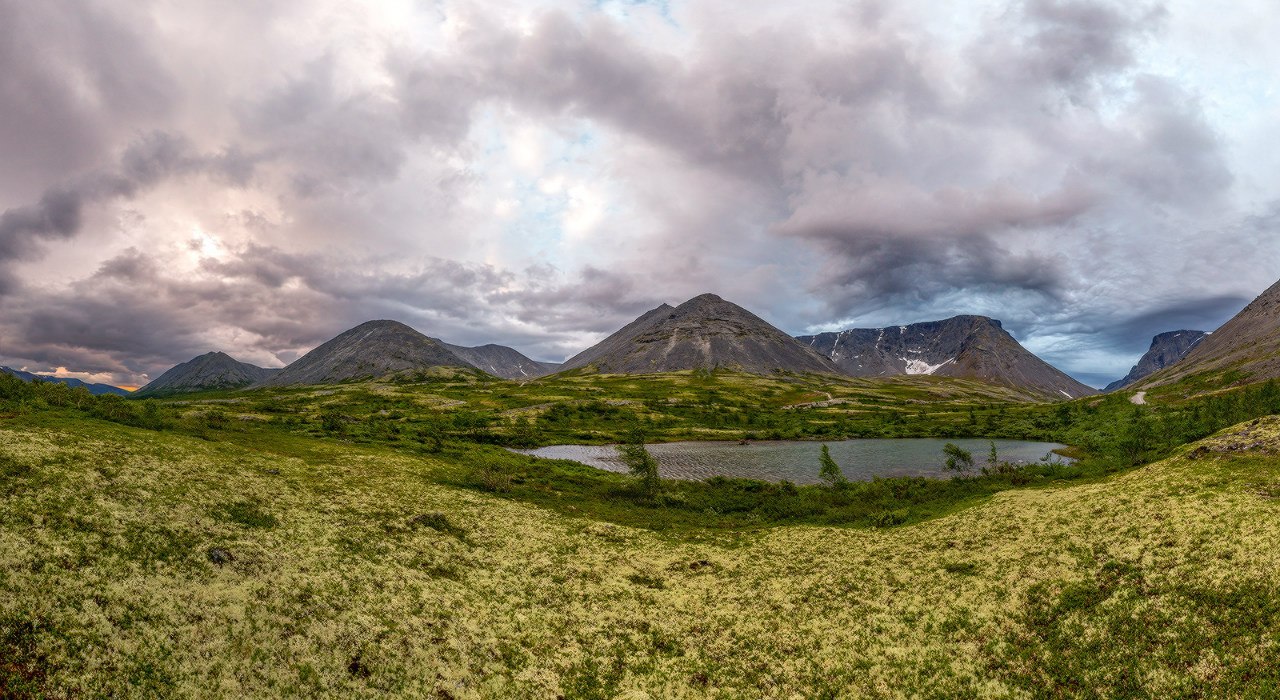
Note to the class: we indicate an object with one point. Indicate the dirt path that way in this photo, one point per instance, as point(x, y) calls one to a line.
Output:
point(1139, 398)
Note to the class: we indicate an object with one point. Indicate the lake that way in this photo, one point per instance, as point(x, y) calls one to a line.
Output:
point(797, 461)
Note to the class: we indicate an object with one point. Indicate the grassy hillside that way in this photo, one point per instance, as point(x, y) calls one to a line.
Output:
point(142, 563)
point(598, 408)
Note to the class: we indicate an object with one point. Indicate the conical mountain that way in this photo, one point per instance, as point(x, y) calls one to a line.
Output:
point(1246, 348)
point(502, 361)
point(705, 332)
point(214, 370)
point(1165, 350)
point(970, 347)
point(621, 343)
point(371, 350)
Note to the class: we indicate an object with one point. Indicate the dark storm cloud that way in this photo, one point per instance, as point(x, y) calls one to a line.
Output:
point(608, 299)
point(1134, 333)
point(717, 110)
point(327, 137)
point(883, 269)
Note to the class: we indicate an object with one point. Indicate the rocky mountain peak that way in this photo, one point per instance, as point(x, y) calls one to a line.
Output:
point(371, 350)
point(210, 371)
point(1166, 349)
point(969, 346)
point(704, 332)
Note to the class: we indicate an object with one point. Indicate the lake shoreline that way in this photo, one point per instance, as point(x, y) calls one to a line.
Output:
point(796, 461)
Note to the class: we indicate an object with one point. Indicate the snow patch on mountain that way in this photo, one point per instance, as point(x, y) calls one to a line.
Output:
point(921, 367)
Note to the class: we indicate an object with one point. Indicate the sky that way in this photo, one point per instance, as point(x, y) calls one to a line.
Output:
point(182, 177)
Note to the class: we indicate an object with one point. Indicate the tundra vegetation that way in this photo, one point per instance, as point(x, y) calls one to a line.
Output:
point(365, 539)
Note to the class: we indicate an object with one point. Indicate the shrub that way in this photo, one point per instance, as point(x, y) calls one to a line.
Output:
point(829, 472)
point(249, 515)
point(959, 460)
point(889, 518)
point(215, 420)
point(333, 422)
point(491, 476)
point(639, 462)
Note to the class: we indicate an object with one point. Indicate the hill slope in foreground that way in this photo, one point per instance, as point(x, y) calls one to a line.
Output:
point(360, 574)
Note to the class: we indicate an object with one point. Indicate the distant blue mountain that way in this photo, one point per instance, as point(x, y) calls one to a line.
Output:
point(96, 389)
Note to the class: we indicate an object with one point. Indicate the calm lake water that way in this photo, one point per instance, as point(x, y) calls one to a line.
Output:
point(797, 461)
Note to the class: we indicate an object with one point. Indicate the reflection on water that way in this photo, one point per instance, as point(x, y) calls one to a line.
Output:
point(798, 461)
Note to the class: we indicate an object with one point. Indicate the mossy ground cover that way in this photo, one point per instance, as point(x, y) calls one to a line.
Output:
point(146, 563)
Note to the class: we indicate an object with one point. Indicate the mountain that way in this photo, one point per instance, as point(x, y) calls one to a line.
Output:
point(972, 347)
point(214, 370)
point(1166, 349)
point(371, 350)
point(502, 361)
point(705, 332)
point(1245, 348)
point(95, 389)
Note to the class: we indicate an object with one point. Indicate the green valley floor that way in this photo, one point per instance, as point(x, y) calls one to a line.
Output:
point(147, 564)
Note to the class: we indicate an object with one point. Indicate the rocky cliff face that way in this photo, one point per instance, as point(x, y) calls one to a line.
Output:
point(502, 361)
point(1247, 347)
point(1166, 349)
point(372, 350)
point(215, 370)
point(972, 347)
point(705, 332)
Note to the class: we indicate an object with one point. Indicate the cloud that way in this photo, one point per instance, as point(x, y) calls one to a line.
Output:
point(77, 78)
point(134, 317)
point(824, 164)
point(58, 214)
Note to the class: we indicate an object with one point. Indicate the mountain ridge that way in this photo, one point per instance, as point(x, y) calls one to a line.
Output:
point(1166, 349)
point(503, 361)
point(966, 346)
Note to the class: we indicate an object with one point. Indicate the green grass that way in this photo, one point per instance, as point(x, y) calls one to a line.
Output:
point(378, 577)
point(375, 539)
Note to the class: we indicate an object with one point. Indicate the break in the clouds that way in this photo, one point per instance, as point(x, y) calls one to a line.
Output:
point(184, 177)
